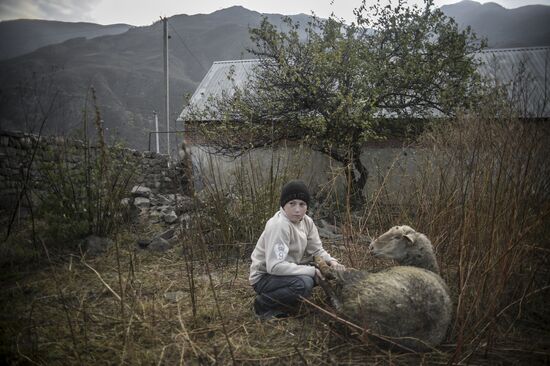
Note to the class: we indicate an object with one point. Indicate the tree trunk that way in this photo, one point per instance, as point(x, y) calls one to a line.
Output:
point(357, 173)
point(358, 179)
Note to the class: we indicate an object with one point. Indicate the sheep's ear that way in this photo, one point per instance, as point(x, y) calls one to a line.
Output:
point(409, 238)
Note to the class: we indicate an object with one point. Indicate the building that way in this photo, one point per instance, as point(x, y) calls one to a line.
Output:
point(223, 76)
point(524, 72)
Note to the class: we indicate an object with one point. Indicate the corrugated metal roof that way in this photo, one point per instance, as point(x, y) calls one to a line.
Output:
point(525, 72)
point(502, 66)
point(222, 76)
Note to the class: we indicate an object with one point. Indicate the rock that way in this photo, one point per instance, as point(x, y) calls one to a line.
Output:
point(163, 200)
point(205, 194)
point(174, 296)
point(141, 191)
point(327, 234)
point(155, 214)
point(164, 209)
point(186, 219)
point(184, 204)
point(143, 243)
point(142, 202)
point(167, 234)
point(170, 217)
point(333, 228)
point(174, 240)
point(212, 236)
point(125, 202)
point(95, 245)
point(159, 245)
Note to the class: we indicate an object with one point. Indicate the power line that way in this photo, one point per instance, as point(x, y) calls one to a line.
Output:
point(187, 48)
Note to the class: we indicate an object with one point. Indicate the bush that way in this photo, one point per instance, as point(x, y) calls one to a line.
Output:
point(83, 188)
point(238, 203)
point(482, 195)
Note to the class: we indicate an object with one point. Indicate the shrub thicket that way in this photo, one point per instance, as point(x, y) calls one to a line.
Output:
point(82, 187)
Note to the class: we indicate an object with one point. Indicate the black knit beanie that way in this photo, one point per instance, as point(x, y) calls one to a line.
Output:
point(295, 189)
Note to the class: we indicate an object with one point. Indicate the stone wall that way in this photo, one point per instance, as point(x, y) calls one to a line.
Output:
point(18, 150)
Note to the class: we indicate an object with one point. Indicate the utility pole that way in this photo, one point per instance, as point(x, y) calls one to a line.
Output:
point(166, 84)
point(157, 130)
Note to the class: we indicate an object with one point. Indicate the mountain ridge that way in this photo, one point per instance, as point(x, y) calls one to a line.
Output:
point(525, 26)
point(23, 36)
point(126, 69)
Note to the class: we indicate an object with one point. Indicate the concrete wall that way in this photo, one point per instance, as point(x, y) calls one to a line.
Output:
point(390, 166)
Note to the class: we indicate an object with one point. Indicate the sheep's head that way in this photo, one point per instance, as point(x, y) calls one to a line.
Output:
point(394, 244)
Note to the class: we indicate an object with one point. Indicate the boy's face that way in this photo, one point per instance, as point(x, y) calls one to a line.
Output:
point(295, 210)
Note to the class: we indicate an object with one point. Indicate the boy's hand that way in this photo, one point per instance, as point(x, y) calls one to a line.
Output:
point(318, 276)
point(336, 266)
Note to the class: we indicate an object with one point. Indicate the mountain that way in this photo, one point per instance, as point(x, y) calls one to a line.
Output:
point(525, 26)
point(26, 35)
point(126, 69)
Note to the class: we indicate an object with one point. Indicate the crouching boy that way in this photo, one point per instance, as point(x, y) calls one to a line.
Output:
point(280, 271)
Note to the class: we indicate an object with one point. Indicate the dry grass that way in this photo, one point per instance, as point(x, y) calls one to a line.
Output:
point(481, 195)
point(67, 313)
point(120, 313)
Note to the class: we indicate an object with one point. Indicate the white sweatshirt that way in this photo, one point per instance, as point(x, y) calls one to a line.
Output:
point(285, 248)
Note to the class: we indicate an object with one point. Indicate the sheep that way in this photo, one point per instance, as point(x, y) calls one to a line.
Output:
point(406, 305)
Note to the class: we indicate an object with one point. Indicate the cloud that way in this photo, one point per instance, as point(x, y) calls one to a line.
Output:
point(67, 10)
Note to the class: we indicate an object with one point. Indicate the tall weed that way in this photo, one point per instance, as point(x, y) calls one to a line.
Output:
point(83, 186)
point(482, 195)
point(239, 199)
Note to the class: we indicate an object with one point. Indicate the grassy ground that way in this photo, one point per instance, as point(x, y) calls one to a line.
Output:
point(135, 307)
point(479, 192)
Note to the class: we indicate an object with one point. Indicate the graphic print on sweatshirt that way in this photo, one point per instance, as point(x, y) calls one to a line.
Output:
point(281, 251)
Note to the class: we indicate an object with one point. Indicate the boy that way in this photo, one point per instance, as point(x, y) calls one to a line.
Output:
point(280, 272)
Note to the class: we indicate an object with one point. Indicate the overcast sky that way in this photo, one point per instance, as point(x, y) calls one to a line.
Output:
point(145, 12)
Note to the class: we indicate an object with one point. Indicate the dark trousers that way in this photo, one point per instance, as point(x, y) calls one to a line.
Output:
point(281, 292)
